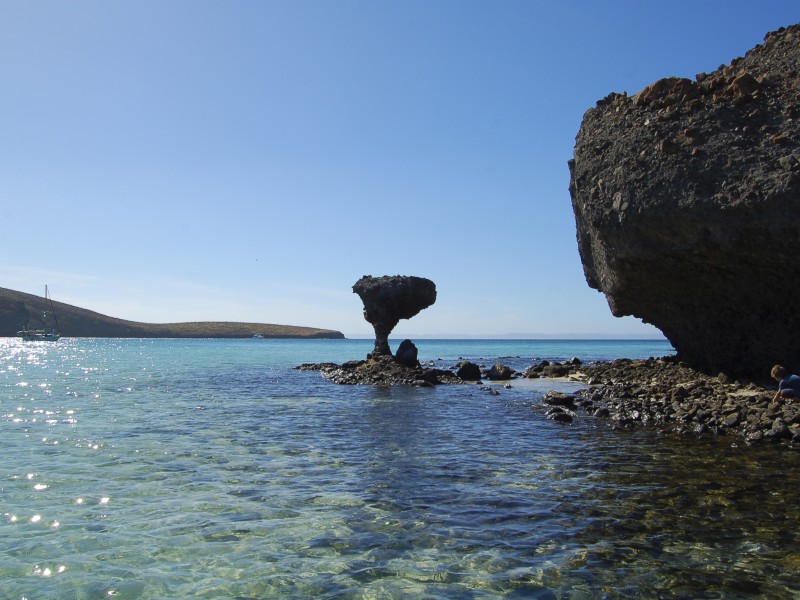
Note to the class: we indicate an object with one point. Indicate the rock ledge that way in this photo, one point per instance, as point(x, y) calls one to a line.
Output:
point(671, 396)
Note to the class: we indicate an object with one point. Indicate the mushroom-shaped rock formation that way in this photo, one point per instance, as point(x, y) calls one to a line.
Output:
point(687, 205)
point(390, 298)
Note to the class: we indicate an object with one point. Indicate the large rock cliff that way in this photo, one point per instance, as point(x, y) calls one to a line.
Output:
point(687, 205)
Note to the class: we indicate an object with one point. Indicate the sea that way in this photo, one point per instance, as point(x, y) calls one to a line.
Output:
point(143, 469)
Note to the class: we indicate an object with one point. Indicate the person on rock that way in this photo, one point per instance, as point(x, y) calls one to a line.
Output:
point(789, 386)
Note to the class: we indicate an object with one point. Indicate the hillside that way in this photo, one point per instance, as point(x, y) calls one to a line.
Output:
point(18, 309)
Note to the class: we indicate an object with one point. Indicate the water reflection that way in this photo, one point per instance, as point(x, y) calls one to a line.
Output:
point(632, 513)
point(705, 520)
point(159, 479)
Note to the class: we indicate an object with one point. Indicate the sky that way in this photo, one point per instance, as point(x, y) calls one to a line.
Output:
point(196, 160)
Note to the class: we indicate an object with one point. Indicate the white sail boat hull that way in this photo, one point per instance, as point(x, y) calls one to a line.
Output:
point(41, 335)
point(37, 335)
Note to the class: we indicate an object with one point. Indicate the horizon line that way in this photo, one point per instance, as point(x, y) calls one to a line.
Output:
point(516, 336)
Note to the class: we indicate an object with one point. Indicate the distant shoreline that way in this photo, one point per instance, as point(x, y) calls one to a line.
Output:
point(510, 337)
point(19, 310)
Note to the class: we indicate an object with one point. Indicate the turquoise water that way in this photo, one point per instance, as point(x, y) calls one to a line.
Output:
point(212, 469)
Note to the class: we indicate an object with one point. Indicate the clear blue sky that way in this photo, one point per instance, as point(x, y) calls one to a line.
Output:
point(191, 160)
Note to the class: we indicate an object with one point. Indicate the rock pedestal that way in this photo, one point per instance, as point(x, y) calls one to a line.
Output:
point(390, 298)
point(687, 205)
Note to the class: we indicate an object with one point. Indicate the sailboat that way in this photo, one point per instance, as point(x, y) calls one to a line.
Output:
point(42, 335)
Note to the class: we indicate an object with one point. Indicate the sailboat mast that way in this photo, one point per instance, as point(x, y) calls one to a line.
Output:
point(52, 308)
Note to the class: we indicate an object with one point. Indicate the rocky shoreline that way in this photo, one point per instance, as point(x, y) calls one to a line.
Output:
point(669, 395)
point(662, 393)
point(382, 370)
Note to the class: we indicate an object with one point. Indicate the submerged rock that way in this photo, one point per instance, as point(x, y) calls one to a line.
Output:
point(560, 415)
point(554, 398)
point(686, 199)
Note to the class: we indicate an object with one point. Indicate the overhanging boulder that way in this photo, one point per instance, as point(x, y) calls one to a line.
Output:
point(687, 205)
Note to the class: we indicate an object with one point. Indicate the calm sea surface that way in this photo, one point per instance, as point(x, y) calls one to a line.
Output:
point(212, 469)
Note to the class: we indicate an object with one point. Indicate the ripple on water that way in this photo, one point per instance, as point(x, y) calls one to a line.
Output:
point(142, 470)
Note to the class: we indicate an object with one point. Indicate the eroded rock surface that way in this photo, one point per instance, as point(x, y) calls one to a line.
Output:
point(387, 370)
point(672, 396)
point(407, 354)
point(687, 205)
point(390, 298)
point(382, 370)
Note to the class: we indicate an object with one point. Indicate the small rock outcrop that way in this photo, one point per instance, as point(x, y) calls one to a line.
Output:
point(382, 370)
point(687, 205)
point(468, 371)
point(499, 372)
point(407, 354)
point(390, 298)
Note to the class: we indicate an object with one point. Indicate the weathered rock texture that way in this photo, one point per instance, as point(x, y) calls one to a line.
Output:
point(387, 370)
point(390, 298)
point(382, 370)
point(407, 354)
point(673, 397)
point(687, 204)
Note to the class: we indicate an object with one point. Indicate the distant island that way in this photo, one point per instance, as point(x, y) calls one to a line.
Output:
point(18, 309)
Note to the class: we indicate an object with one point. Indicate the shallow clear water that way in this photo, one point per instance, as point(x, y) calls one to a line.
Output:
point(212, 469)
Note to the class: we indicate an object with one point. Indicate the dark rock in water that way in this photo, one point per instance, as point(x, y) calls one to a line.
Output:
point(560, 415)
point(557, 371)
point(559, 399)
point(317, 366)
point(499, 372)
point(382, 371)
point(686, 198)
point(469, 371)
point(547, 369)
point(407, 354)
point(390, 298)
